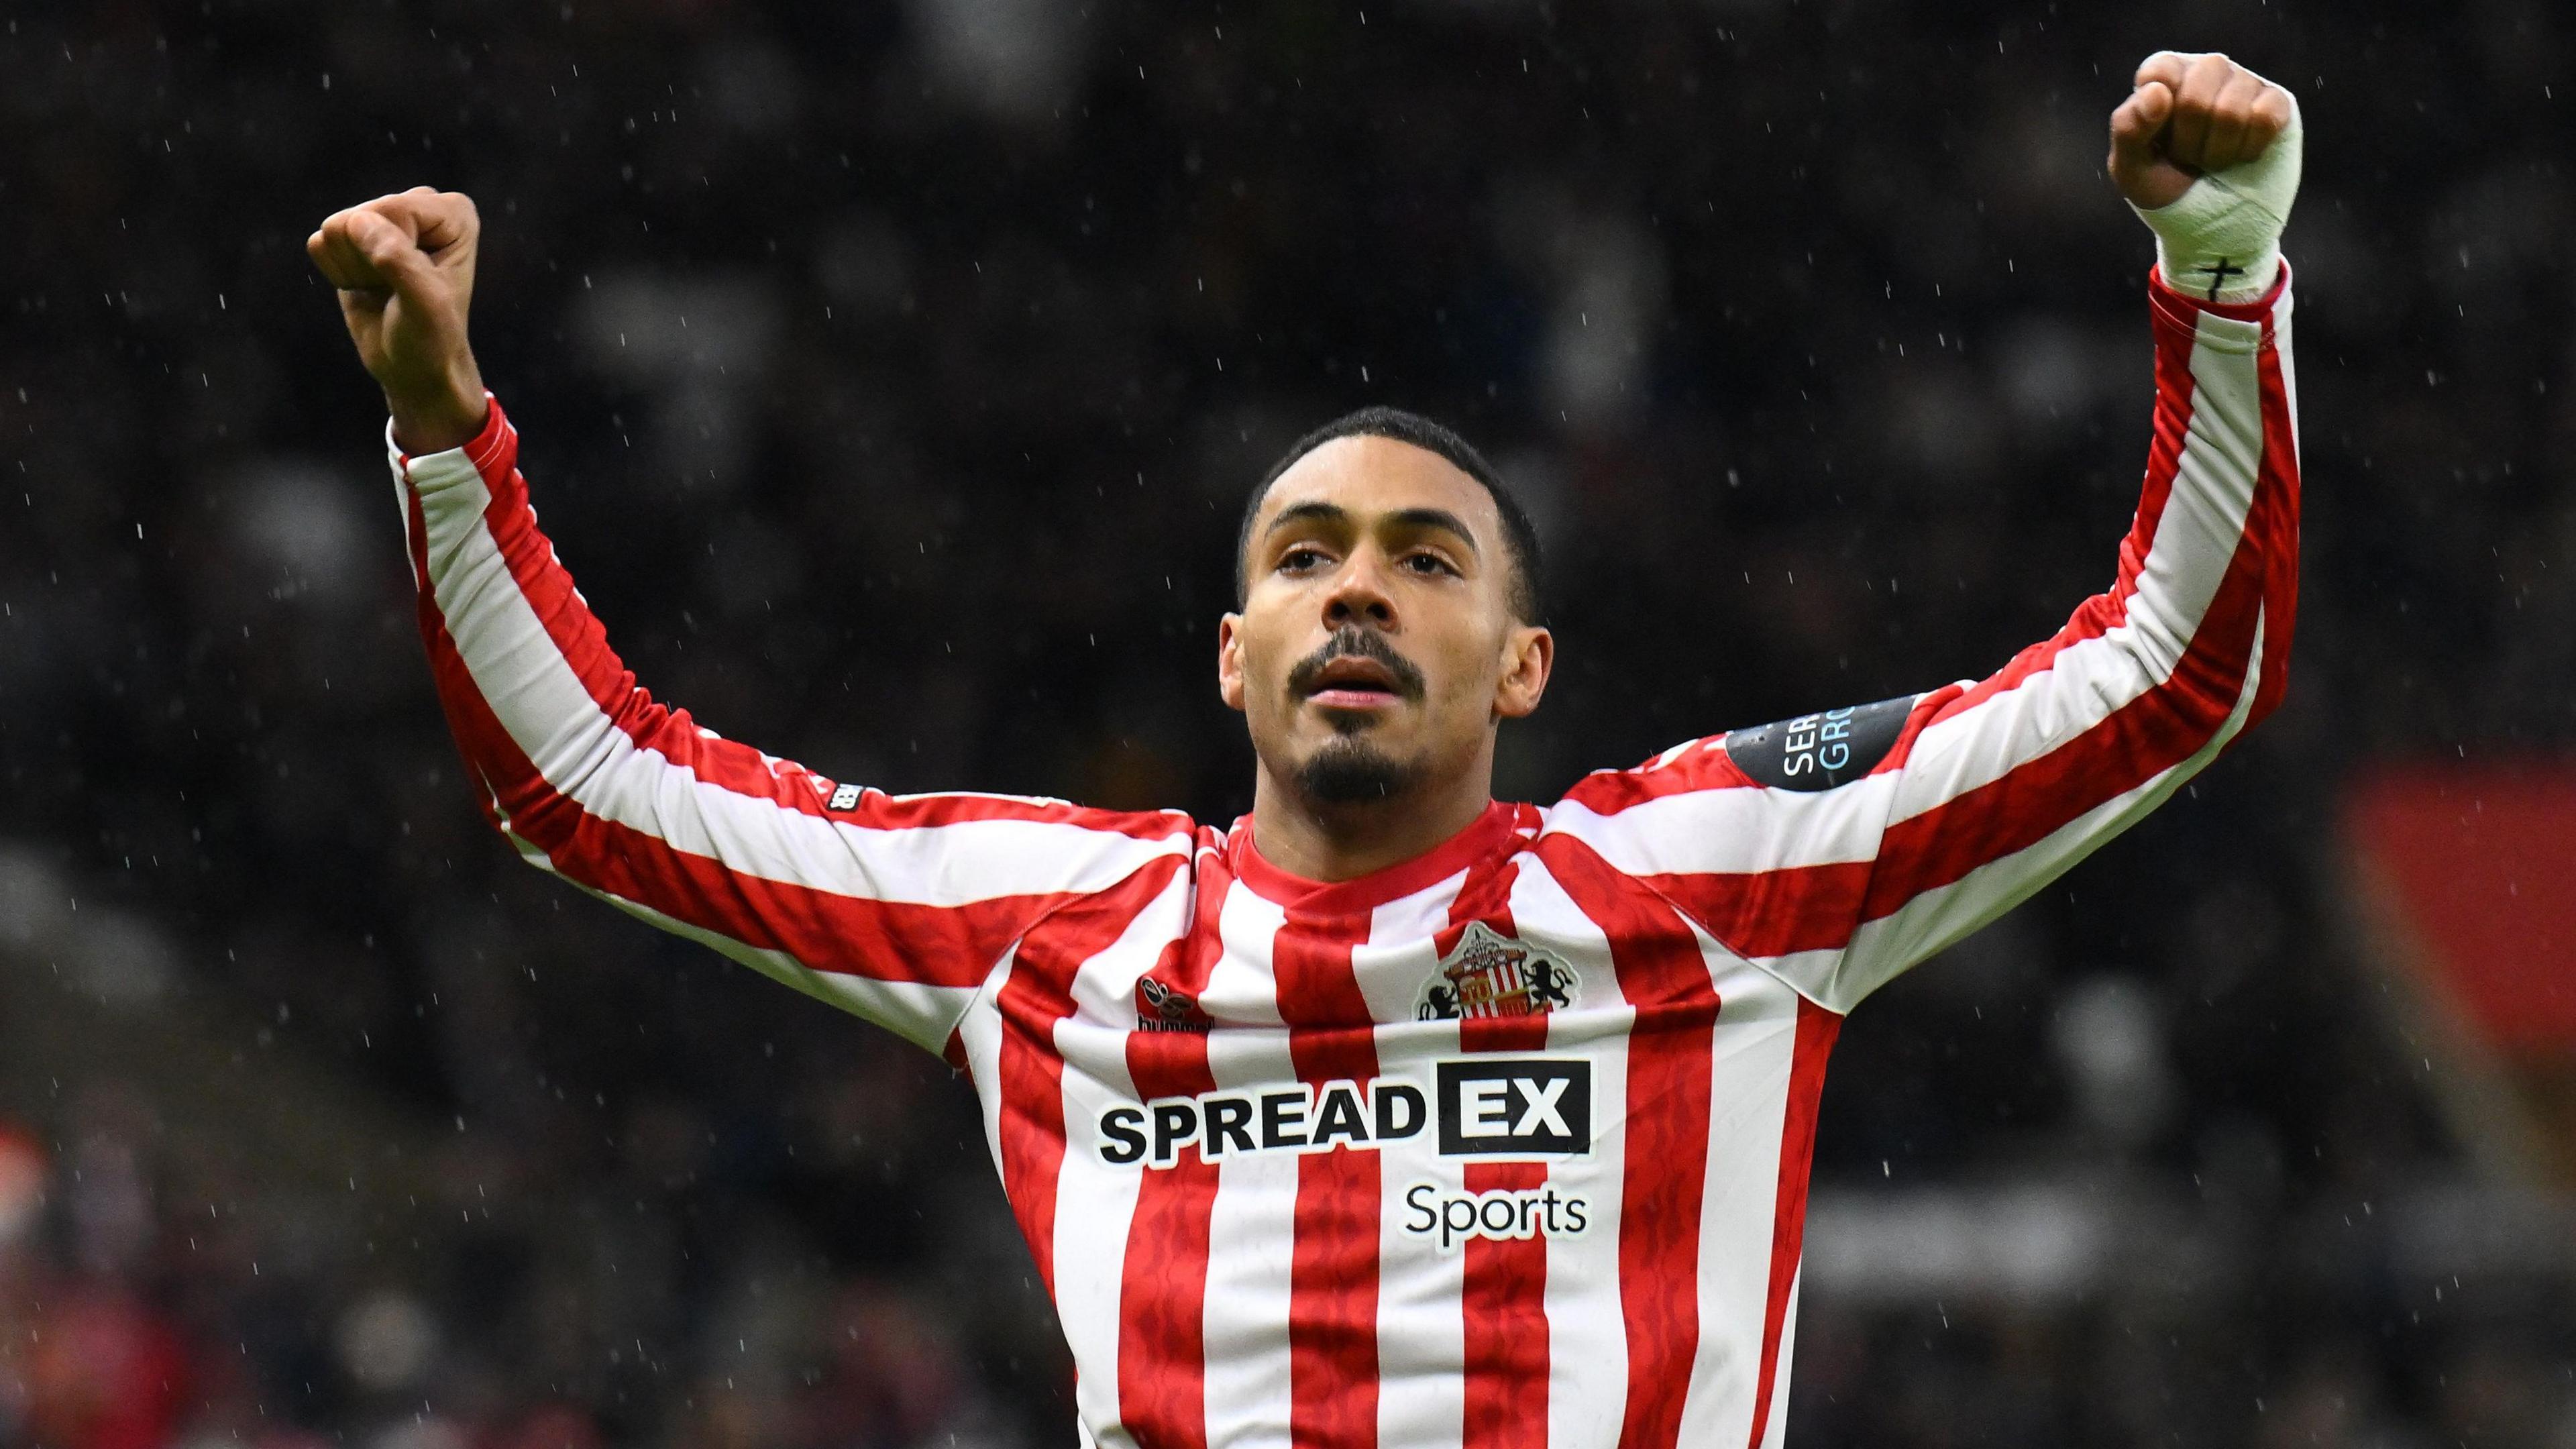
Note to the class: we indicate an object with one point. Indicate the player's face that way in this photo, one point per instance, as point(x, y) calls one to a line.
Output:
point(1377, 647)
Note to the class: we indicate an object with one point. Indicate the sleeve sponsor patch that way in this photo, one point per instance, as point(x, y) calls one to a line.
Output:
point(1820, 751)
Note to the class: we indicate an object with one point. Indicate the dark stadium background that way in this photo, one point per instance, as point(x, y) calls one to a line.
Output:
point(890, 377)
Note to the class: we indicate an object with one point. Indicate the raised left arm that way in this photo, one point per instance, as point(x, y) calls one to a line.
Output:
point(1840, 848)
point(1998, 787)
point(2004, 784)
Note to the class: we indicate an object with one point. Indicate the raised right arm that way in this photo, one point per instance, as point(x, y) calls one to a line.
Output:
point(897, 908)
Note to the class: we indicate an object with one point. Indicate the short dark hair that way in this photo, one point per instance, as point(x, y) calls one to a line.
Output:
point(1520, 537)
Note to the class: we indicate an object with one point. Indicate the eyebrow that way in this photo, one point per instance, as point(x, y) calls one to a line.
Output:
point(1439, 518)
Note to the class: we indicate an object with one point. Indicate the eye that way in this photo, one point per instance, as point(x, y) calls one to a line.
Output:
point(1300, 558)
point(1424, 561)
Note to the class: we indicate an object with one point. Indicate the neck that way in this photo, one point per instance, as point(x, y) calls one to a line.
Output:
point(1328, 842)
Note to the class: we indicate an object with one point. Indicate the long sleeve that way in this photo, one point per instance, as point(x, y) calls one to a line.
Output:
point(897, 908)
point(1840, 849)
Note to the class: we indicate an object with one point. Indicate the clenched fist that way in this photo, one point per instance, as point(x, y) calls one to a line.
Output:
point(2209, 154)
point(2188, 115)
point(404, 265)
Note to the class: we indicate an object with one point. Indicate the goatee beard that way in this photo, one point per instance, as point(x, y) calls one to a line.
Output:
point(1347, 771)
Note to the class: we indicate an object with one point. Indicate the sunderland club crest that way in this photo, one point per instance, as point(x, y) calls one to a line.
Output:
point(1490, 975)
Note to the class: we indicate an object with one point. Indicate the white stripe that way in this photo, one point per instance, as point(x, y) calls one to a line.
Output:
point(979, 1033)
point(1095, 1202)
point(579, 750)
point(1753, 829)
point(2196, 538)
point(1587, 1333)
point(922, 1015)
point(1421, 1333)
point(1882, 948)
point(1754, 1048)
point(1252, 1229)
point(1421, 1325)
point(2289, 365)
point(2203, 522)
point(1252, 1224)
point(1095, 1206)
point(1240, 987)
point(1739, 829)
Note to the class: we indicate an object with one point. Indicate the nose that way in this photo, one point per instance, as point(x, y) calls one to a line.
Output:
point(1360, 595)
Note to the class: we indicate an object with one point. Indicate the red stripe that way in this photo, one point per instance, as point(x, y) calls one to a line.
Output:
point(2278, 499)
point(1766, 913)
point(2183, 305)
point(1943, 845)
point(824, 930)
point(1333, 1266)
point(1038, 994)
point(882, 811)
point(1485, 895)
point(1816, 1030)
point(544, 582)
point(1664, 1155)
point(447, 674)
point(495, 434)
point(1706, 766)
point(1361, 894)
point(583, 641)
point(1702, 765)
point(2106, 611)
point(951, 946)
point(954, 945)
point(1503, 1304)
point(2150, 734)
point(1162, 1306)
point(1162, 1293)
point(931, 945)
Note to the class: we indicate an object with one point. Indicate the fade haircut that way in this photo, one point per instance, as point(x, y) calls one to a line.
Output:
point(1520, 538)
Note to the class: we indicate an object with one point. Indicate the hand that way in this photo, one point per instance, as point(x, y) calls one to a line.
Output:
point(2190, 114)
point(404, 265)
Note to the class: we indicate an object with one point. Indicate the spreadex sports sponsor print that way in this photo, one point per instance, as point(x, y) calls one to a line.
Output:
point(1480, 1107)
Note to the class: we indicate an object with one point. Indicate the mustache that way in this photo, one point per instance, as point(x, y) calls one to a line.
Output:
point(1352, 641)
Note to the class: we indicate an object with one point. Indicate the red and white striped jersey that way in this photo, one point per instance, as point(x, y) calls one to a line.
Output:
point(1504, 1145)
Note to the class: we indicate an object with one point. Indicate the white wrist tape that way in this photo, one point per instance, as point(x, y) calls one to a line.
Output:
point(2222, 238)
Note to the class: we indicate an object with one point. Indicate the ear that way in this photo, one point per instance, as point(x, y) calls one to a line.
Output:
point(1229, 661)
point(1529, 653)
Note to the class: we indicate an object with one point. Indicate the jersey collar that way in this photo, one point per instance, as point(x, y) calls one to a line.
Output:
point(1486, 833)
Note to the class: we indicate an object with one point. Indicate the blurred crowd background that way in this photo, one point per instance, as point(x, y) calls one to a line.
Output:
point(891, 374)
